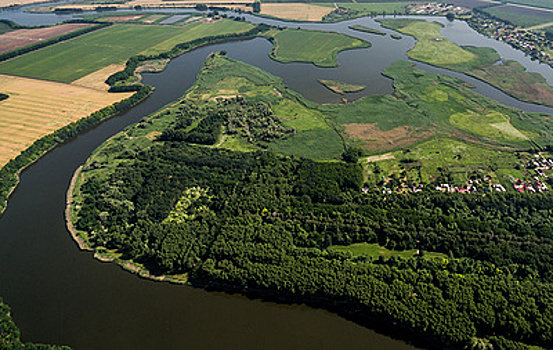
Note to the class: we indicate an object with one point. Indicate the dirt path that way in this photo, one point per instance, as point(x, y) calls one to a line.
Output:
point(540, 26)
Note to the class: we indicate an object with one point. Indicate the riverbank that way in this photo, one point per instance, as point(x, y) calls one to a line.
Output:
point(11, 171)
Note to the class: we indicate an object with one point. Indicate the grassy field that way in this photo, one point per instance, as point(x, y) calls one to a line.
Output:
point(537, 3)
point(317, 47)
point(431, 46)
point(76, 58)
point(510, 76)
point(520, 16)
point(36, 108)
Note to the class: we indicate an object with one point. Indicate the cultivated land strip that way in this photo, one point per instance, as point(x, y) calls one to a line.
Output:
point(25, 37)
point(36, 108)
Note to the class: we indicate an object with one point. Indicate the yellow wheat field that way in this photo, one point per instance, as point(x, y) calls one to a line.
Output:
point(296, 11)
point(36, 108)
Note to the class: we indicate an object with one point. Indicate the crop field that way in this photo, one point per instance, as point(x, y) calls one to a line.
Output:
point(521, 16)
point(475, 3)
point(431, 46)
point(537, 3)
point(298, 12)
point(6, 3)
point(76, 58)
point(97, 80)
point(317, 47)
point(25, 37)
point(36, 108)
point(125, 18)
point(379, 8)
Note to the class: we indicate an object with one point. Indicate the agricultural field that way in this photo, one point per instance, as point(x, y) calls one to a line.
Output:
point(536, 3)
point(520, 16)
point(76, 58)
point(129, 5)
point(376, 7)
point(317, 47)
point(24, 37)
point(8, 3)
point(509, 76)
point(296, 11)
point(36, 108)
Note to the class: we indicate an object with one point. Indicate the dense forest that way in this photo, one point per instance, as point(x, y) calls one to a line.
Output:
point(10, 337)
point(264, 224)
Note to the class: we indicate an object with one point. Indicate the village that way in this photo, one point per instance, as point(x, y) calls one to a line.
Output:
point(537, 170)
point(536, 44)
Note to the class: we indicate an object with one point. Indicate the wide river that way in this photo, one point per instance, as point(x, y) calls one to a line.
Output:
point(61, 295)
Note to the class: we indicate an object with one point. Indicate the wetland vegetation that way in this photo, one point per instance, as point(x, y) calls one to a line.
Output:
point(510, 77)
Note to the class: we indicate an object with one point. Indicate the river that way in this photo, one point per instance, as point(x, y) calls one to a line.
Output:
point(61, 295)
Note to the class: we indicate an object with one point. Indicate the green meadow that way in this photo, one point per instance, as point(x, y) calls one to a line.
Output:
point(73, 59)
point(510, 77)
point(521, 17)
point(317, 47)
point(431, 46)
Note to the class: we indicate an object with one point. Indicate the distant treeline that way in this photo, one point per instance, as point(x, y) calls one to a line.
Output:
point(48, 42)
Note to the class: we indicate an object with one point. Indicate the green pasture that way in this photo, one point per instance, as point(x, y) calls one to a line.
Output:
point(75, 58)
point(519, 16)
point(510, 77)
point(317, 47)
point(431, 46)
point(537, 3)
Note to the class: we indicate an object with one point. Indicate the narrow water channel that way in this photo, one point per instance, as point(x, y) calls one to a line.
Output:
point(61, 295)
